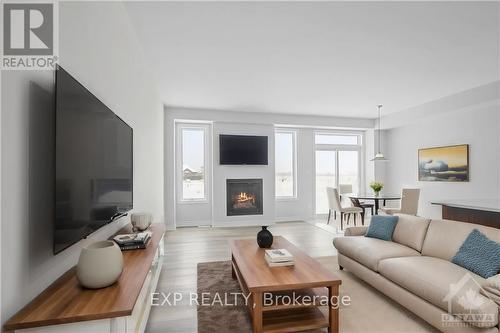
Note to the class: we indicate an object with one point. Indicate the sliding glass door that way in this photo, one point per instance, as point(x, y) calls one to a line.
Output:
point(337, 159)
point(349, 168)
point(325, 177)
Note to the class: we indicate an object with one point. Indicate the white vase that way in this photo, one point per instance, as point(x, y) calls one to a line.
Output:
point(100, 265)
point(141, 221)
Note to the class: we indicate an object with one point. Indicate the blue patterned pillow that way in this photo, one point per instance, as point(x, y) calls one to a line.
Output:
point(382, 227)
point(479, 254)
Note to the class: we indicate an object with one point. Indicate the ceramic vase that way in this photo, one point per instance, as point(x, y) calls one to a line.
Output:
point(100, 265)
point(141, 221)
point(265, 238)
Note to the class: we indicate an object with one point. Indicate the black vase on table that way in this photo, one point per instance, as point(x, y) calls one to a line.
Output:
point(265, 238)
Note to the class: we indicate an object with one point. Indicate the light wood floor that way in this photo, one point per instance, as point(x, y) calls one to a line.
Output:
point(186, 247)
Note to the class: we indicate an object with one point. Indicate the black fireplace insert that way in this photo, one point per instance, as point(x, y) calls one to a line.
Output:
point(244, 197)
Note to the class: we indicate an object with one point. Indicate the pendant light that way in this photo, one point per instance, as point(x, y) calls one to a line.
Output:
point(379, 156)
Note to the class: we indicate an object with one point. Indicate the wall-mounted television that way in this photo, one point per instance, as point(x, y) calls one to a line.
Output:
point(243, 149)
point(94, 162)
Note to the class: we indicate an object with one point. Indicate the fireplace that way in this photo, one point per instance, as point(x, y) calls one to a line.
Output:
point(244, 197)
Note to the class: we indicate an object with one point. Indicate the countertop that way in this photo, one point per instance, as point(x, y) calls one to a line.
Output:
point(491, 204)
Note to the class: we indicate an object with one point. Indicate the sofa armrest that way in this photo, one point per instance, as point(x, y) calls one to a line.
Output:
point(355, 231)
point(491, 289)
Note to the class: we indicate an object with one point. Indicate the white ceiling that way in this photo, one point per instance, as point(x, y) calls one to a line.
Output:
point(324, 58)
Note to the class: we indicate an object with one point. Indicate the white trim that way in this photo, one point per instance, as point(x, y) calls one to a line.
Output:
point(290, 219)
point(285, 199)
point(243, 223)
point(336, 148)
point(192, 121)
point(207, 152)
point(195, 223)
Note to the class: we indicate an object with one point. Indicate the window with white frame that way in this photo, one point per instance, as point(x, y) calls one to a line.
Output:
point(192, 161)
point(285, 163)
point(338, 162)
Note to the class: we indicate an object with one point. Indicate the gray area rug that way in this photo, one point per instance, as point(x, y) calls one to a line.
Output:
point(213, 278)
point(370, 311)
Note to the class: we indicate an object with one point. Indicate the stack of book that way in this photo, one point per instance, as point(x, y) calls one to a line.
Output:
point(133, 241)
point(279, 258)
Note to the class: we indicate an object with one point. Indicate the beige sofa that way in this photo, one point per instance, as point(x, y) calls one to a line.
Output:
point(415, 270)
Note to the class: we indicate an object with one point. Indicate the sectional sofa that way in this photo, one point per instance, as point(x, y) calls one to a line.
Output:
point(415, 270)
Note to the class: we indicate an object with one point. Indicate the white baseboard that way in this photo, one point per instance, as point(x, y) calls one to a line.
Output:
point(290, 219)
point(197, 223)
point(208, 223)
point(242, 223)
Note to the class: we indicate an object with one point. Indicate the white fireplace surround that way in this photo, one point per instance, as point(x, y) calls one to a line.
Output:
point(221, 173)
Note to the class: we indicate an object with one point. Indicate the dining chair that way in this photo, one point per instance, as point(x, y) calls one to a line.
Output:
point(356, 203)
point(334, 205)
point(343, 189)
point(409, 203)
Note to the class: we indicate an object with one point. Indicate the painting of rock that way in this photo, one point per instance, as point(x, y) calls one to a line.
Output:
point(444, 164)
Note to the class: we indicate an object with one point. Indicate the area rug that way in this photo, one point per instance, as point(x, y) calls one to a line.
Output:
point(215, 278)
point(368, 311)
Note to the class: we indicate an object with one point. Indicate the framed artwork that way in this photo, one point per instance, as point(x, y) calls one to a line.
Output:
point(444, 164)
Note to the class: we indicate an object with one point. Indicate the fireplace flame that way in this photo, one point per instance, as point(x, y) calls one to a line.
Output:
point(244, 200)
point(245, 197)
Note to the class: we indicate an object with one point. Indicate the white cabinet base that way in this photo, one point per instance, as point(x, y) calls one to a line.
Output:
point(135, 323)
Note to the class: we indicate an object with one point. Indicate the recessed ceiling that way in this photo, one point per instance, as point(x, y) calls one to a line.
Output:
point(322, 58)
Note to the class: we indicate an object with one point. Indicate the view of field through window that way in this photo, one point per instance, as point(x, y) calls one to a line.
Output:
point(284, 164)
point(193, 163)
point(335, 166)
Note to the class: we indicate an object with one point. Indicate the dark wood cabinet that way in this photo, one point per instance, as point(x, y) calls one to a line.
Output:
point(476, 216)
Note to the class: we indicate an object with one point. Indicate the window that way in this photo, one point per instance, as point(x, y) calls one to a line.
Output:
point(325, 177)
point(336, 139)
point(349, 168)
point(285, 160)
point(193, 161)
point(337, 162)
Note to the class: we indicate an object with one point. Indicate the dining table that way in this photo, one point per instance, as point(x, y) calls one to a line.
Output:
point(376, 198)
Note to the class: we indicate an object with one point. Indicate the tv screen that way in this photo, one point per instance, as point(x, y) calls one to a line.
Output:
point(93, 163)
point(242, 149)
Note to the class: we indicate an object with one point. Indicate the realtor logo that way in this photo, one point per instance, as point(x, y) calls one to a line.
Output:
point(30, 35)
point(28, 29)
point(466, 305)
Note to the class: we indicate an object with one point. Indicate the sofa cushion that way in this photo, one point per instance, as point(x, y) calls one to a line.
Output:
point(382, 227)
point(410, 231)
point(444, 238)
point(443, 284)
point(355, 231)
point(369, 251)
point(479, 254)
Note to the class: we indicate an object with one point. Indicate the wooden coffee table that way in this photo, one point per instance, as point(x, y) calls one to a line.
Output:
point(306, 277)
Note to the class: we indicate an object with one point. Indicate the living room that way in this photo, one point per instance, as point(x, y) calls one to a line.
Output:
point(340, 132)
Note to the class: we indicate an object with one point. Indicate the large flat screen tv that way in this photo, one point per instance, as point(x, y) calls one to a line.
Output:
point(242, 149)
point(93, 180)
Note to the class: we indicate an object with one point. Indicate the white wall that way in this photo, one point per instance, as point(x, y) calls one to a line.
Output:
point(471, 117)
point(375, 170)
point(301, 208)
point(223, 172)
point(105, 57)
